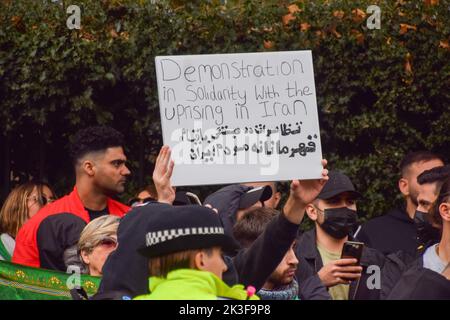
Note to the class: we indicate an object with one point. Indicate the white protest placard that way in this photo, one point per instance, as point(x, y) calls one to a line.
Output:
point(244, 117)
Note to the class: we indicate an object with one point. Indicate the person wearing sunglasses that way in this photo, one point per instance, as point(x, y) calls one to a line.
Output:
point(21, 204)
point(98, 239)
point(146, 195)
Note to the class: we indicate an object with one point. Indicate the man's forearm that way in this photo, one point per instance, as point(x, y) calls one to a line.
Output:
point(294, 210)
point(255, 264)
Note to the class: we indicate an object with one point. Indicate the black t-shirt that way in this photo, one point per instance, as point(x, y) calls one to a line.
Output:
point(95, 214)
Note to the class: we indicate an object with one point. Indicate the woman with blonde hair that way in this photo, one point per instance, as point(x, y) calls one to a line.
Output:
point(97, 240)
point(22, 203)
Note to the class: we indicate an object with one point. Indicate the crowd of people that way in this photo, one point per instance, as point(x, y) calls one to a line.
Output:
point(240, 242)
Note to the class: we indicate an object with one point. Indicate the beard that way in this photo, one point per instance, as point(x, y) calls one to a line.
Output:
point(112, 190)
point(413, 194)
point(280, 279)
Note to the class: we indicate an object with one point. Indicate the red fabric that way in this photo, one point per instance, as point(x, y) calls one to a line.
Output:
point(26, 250)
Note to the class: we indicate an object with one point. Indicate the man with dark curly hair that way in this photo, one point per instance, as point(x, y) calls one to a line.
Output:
point(48, 240)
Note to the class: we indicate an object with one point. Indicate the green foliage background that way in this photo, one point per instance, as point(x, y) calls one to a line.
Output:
point(381, 93)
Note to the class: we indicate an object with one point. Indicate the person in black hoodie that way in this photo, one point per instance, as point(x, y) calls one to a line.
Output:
point(429, 227)
point(125, 273)
point(428, 277)
point(335, 216)
point(396, 229)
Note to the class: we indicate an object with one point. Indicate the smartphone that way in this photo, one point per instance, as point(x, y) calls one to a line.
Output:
point(352, 249)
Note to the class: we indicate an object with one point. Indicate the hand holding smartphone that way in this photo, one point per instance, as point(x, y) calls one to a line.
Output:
point(352, 250)
point(340, 271)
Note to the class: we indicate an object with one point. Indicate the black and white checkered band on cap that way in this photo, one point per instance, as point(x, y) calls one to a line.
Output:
point(171, 229)
point(153, 238)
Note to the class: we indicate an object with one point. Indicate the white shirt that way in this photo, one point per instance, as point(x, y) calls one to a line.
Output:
point(432, 261)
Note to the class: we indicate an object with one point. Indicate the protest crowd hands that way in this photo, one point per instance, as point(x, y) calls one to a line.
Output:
point(277, 245)
point(162, 176)
point(305, 191)
point(340, 271)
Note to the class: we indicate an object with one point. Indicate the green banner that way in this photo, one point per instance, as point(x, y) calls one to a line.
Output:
point(19, 282)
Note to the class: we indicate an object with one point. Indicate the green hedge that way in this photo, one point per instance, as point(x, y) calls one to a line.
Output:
point(381, 93)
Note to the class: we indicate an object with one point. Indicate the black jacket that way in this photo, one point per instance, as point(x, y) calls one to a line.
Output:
point(419, 283)
point(248, 263)
point(390, 233)
point(125, 272)
point(395, 265)
point(404, 277)
point(310, 262)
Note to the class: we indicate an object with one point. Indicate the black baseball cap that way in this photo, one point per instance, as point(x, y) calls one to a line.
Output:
point(337, 183)
point(254, 195)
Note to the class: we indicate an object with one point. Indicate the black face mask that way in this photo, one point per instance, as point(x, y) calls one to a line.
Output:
point(339, 222)
point(420, 217)
point(426, 233)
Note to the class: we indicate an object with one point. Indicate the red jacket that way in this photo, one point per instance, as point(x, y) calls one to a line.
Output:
point(43, 239)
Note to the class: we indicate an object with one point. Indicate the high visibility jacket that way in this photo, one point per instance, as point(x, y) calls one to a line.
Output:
point(189, 284)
